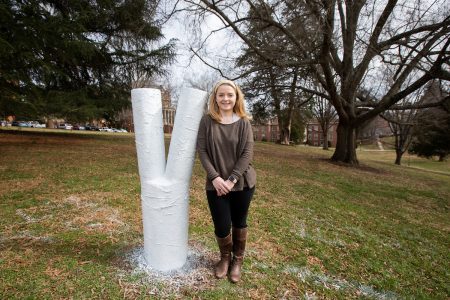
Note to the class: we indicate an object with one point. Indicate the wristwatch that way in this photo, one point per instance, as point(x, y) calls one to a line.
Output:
point(232, 179)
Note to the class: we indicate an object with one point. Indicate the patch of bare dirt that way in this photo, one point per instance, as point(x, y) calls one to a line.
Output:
point(195, 275)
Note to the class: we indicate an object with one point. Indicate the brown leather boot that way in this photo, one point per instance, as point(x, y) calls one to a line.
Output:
point(239, 241)
point(225, 246)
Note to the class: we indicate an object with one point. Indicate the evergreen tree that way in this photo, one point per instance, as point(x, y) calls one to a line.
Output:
point(432, 136)
point(73, 58)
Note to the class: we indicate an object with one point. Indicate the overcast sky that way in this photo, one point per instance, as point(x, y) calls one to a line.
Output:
point(219, 47)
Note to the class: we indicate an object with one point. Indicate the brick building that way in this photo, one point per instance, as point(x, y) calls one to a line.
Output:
point(375, 129)
point(314, 136)
point(267, 130)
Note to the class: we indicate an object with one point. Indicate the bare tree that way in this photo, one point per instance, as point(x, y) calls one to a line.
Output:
point(124, 119)
point(401, 123)
point(345, 44)
point(275, 89)
point(326, 116)
point(204, 80)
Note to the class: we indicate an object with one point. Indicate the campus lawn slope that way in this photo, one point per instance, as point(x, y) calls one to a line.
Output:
point(70, 214)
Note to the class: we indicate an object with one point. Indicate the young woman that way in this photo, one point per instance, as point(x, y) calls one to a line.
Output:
point(225, 147)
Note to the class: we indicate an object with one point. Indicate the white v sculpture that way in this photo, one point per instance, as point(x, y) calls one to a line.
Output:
point(165, 189)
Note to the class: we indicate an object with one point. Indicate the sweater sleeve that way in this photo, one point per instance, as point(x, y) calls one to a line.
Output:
point(211, 172)
point(246, 155)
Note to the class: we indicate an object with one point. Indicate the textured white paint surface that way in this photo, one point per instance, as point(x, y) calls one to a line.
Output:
point(165, 190)
point(148, 128)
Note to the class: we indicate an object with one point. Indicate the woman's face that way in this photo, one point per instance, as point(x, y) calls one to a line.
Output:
point(226, 98)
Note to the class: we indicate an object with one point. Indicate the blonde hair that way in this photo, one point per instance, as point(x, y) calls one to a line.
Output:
point(239, 106)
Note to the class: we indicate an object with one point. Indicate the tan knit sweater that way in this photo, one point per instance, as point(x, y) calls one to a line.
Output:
point(226, 149)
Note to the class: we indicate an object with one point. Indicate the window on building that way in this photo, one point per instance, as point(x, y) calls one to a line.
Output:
point(273, 137)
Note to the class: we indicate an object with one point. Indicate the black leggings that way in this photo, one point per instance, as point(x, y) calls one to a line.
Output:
point(228, 210)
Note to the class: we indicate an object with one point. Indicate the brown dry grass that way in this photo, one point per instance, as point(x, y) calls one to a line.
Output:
point(70, 216)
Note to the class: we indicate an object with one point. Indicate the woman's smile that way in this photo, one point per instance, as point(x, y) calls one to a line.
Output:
point(226, 98)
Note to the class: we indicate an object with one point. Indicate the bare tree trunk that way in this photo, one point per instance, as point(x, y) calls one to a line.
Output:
point(398, 157)
point(404, 139)
point(325, 136)
point(398, 145)
point(281, 126)
point(277, 107)
point(345, 147)
point(286, 135)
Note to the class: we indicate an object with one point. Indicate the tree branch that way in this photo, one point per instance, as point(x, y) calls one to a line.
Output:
point(273, 61)
point(409, 106)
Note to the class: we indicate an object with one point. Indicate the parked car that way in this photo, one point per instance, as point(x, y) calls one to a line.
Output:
point(36, 124)
point(91, 127)
point(106, 129)
point(78, 127)
point(20, 124)
point(65, 126)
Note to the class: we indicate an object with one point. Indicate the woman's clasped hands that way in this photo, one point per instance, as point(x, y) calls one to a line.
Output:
point(222, 187)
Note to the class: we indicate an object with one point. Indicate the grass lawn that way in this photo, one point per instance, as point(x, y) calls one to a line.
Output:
point(70, 214)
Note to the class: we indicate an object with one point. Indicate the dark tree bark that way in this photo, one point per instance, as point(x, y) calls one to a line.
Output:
point(346, 144)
